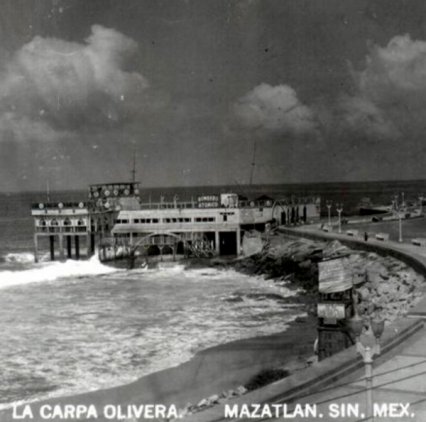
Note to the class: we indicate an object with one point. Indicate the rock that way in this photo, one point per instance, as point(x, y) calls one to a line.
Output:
point(214, 399)
point(300, 320)
point(241, 390)
point(203, 403)
point(305, 264)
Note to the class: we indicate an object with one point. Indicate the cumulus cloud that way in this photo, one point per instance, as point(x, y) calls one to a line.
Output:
point(388, 99)
point(276, 109)
point(396, 72)
point(14, 128)
point(57, 85)
point(392, 84)
point(359, 114)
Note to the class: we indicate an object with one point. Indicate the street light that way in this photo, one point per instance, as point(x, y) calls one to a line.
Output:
point(328, 204)
point(398, 209)
point(339, 209)
point(356, 325)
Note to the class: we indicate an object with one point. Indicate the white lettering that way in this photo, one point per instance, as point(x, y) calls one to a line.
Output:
point(231, 412)
point(22, 413)
point(68, 411)
point(146, 411)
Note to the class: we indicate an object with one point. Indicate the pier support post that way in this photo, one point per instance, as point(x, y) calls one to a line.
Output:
point(35, 248)
point(92, 243)
point(77, 247)
point(88, 249)
point(238, 234)
point(69, 251)
point(216, 242)
point(52, 247)
point(61, 247)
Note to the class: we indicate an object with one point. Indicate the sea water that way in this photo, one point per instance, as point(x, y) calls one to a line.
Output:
point(77, 326)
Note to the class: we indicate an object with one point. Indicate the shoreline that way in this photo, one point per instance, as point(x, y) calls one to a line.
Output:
point(209, 372)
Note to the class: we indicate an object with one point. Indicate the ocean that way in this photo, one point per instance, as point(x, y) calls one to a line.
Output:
point(76, 326)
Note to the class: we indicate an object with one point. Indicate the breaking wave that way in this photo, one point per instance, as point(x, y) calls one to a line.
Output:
point(50, 271)
point(20, 258)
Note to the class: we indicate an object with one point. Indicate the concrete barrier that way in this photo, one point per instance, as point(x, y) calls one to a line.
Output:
point(382, 236)
point(417, 262)
point(419, 242)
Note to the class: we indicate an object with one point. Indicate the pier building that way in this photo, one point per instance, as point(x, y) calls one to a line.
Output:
point(119, 225)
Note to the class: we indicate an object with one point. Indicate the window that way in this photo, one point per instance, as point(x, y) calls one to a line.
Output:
point(204, 219)
point(122, 221)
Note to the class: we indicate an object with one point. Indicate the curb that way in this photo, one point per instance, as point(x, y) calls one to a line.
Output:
point(312, 379)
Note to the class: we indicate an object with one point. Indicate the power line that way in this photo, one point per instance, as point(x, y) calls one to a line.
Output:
point(342, 396)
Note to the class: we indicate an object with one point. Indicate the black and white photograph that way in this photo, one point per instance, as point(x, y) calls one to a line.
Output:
point(212, 210)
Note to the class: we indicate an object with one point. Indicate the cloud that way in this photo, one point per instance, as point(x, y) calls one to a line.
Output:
point(357, 114)
point(276, 109)
point(64, 86)
point(14, 128)
point(387, 100)
point(395, 73)
point(393, 83)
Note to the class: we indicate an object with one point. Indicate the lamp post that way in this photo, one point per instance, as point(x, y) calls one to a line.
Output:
point(356, 325)
point(328, 204)
point(400, 226)
point(339, 209)
point(398, 208)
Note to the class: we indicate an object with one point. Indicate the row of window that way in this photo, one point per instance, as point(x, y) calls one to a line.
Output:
point(165, 220)
point(54, 222)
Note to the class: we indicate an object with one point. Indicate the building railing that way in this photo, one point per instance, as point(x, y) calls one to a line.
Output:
point(61, 229)
point(241, 204)
point(58, 205)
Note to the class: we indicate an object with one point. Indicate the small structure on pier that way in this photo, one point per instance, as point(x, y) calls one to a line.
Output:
point(83, 224)
point(65, 223)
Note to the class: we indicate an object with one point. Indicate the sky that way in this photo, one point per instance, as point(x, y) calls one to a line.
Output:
point(321, 90)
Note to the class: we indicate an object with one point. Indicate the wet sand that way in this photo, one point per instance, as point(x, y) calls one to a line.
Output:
point(209, 372)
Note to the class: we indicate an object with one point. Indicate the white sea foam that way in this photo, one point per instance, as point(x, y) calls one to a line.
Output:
point(52, 271)
point(20, 258)
point(184, 311)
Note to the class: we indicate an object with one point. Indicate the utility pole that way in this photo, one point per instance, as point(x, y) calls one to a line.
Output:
point(134, 168)
point(253, 163)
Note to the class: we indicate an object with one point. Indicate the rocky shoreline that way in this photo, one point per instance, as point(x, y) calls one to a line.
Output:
point(385, 285)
